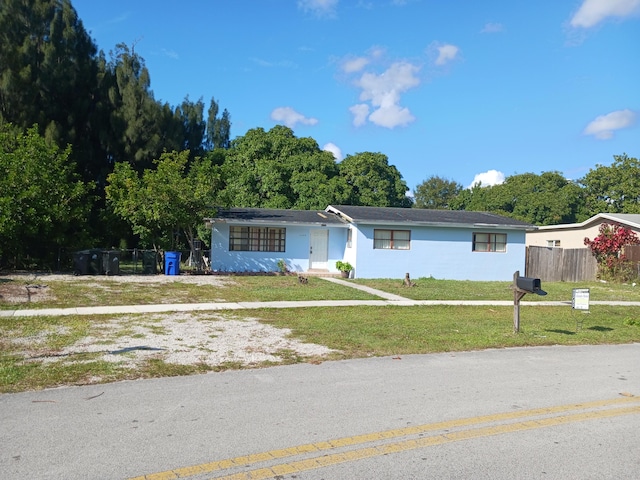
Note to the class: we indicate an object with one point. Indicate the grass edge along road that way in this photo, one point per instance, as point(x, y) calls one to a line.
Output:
point(335, 451)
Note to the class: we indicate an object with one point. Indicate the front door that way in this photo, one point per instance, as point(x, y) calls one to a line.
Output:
point(319, 249)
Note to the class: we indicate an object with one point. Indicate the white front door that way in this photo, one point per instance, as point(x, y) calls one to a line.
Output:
point(319, 249)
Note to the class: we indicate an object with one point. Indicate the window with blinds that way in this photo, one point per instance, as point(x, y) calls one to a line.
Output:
point(257, 239)
point(392, 239)
point(489, 242)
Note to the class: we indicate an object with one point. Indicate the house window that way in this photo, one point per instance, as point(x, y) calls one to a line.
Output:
point(349, 238)
point(392, 239)
point(257, 239)
point(553, 243)
point(489, 242)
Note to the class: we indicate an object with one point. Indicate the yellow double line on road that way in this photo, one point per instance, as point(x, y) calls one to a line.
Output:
point(536, 418)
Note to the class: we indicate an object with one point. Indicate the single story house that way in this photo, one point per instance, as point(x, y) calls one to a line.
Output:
point(572, 235)
point(377, 242)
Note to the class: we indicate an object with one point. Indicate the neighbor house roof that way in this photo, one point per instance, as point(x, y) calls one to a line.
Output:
point(630, 219)
point(421, 216)
point(272, 216)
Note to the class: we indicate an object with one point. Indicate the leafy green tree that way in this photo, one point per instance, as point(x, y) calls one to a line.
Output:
point(136, 119)
point(43, 203)
point(176, 196)
point(218, 128)
point(275, 169)
point(189, 117)
point(545, 199)
point(49, 76)
point(613, 189)
point(474, 199)
point(436, 193)
point(371, 181)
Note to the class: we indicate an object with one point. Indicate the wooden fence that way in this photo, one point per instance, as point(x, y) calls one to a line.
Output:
point(561, 264)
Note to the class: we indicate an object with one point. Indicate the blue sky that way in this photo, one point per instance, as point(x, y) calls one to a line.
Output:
point(465, 90)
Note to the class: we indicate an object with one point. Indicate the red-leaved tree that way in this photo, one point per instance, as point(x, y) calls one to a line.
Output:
point(608, 246)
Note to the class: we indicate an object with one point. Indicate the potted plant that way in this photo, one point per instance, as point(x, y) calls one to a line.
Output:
point(344, 267)
point(282, 266)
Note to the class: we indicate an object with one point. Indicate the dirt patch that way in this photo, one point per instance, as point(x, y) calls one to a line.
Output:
point(177, 338)
point(12, 292)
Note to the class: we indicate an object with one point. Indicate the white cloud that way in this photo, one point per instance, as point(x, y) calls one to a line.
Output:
point(290, 117)
point(360, 113)
point(355, 64)
point(335, 150)
point(321, 8)
point(488, 178)
point(603, 126)
point(170, 53)
point(492, 27)
point(383, 93)
point(446, 53)
point(592, 12)
point(391, 116)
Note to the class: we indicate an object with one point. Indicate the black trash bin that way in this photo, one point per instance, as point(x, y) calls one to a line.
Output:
point(149, 262)
point(81, 262)
point(87, 262)
point(111, 262)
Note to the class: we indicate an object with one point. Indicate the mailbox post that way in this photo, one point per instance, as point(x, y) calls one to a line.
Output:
point(521, 286)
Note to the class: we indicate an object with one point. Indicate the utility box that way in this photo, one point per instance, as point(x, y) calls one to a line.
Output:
point(530, 285)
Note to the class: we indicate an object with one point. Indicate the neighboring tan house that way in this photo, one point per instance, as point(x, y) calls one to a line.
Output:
point(378, 242)
point(572, 235)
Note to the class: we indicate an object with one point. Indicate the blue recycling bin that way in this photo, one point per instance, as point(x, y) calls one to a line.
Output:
point(172, 263)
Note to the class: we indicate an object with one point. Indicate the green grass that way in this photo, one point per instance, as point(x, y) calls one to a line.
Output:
point(102, 291)
point(432, 289)
point(374, 331)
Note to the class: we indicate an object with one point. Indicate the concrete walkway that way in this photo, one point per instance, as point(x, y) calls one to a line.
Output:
point(387, 299)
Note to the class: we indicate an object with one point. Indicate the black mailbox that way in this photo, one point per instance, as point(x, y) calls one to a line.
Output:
point(530, 285)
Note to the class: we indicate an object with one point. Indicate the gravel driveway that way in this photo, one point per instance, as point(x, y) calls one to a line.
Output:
point(184, 338)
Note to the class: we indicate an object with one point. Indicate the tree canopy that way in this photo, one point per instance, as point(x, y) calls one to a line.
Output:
point(175, 197)
point(372, 181)
point(436, 193)
point(614, 188)
point(276, 169)
point(43, 203)
point(544, 199)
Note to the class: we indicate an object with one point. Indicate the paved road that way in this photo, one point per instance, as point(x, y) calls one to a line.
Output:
point(548, 412)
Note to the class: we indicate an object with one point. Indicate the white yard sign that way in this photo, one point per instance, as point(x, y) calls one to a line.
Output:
point(580, 299)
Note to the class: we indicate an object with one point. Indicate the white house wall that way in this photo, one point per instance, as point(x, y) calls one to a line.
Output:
point(296, 253)
point(443, 253)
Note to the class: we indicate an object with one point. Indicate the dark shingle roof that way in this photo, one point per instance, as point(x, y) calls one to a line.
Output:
point(421, 216)
point(268, 215)
point(341, 214)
